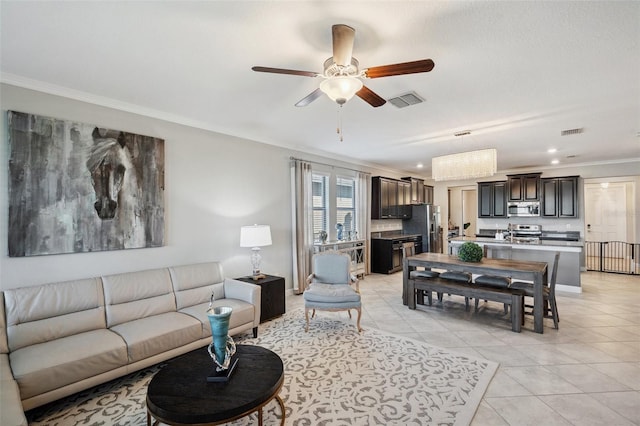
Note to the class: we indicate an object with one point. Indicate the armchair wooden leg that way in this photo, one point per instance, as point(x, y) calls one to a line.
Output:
point(358, 321)
point(349, 312)
point(306, 317)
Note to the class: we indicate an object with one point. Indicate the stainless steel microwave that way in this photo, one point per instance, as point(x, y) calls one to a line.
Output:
point(523, 209)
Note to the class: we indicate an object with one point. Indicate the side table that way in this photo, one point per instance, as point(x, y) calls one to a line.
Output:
point(272, 303)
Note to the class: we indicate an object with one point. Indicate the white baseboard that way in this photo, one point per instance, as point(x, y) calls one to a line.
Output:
point(568, 288)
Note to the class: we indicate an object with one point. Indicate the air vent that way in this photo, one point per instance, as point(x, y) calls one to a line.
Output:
point(572, 131)
point(406, 100)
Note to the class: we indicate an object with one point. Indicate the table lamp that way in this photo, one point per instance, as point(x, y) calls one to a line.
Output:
point(255, 236)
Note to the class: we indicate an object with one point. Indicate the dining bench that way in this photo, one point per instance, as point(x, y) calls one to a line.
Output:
point(506, 296)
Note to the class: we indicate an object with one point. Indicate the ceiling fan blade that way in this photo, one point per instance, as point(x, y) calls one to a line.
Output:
point(343, 37)
point(309, 98)
point(370, 97)
point(424, 65)
point(286, 71)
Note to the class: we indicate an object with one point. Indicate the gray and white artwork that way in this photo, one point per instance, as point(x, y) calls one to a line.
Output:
point(76, 187)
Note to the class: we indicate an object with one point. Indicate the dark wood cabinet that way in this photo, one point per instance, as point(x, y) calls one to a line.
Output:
point(404, 200)
point(386, 254)
point(560, 197)
point(417, 190)
point(390, 198)
point(524, 187)
point(492, 199)
point(384, 195)
point(272, 300)
point(428, 194)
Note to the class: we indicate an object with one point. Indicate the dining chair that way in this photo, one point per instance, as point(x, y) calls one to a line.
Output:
point(549, 294)
point(495, 251)
point(408, 250)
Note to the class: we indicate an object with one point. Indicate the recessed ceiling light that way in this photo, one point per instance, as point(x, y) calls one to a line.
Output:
point(420, 165)
point(555, 161)
point(551, 150)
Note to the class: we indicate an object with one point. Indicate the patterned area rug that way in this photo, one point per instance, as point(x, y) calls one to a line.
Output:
point(333, 376)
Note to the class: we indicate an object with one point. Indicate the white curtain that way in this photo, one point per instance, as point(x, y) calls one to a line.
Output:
point(363, 210)
point(302, 221)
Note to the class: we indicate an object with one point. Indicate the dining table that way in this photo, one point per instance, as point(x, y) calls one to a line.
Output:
point(536, 272)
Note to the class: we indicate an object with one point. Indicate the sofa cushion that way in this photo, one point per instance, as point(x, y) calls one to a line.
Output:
point(149, 336)
point(242, 314)
point(46, 366)
point(135, 295)
point(52, 311)
point(193, 284)
point(11, 413)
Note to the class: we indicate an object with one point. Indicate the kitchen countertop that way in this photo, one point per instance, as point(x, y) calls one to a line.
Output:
point(334, 243)
point(538, 245)
point(391, 235)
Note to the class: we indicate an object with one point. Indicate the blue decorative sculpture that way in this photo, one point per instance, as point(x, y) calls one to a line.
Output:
point(222, 348)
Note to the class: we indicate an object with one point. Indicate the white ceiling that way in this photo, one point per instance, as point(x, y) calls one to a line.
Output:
point(514, 73)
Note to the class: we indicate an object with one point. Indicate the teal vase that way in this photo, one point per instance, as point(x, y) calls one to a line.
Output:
point(222, 347)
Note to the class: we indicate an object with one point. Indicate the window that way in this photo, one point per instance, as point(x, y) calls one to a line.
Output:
point(319, 184)
point(346, 205)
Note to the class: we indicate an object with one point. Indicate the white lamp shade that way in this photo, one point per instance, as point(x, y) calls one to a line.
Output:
point(255, 236)
point(341, 89)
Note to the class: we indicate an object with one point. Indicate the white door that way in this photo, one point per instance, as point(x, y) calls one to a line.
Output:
point(605, 212)
point(606, 221)
point(470, 210)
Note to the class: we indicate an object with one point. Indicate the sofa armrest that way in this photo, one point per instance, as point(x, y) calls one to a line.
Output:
point(250, 293)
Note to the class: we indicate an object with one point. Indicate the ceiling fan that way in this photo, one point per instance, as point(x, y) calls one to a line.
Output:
point(342, 77)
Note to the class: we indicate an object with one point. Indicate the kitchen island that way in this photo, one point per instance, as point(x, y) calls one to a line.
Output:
point(541, 251)
point(386, 250)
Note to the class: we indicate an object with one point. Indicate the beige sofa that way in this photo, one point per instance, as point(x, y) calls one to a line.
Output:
point(58, 339)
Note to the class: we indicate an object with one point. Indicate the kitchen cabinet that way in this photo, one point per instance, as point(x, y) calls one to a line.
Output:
point(417, 190)
point(384, 196)
point(390, 198)
point(560, 197)
point(272, 300)
point(386, 253)
point(404, 200)
point(492, 199)
point(525, 187)
point(428, 194)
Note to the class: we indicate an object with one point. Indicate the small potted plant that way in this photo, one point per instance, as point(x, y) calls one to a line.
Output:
point(470, 252)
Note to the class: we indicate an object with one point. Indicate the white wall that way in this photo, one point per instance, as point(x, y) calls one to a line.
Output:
point(214, 184)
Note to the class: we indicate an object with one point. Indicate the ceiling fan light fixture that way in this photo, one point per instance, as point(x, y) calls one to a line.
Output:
point(341, 88)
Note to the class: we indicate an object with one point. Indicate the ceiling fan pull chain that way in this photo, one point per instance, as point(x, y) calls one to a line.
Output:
point(339, 129)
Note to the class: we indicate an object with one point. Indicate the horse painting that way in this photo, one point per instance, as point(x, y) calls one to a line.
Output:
point(77, 187)
point(115, 183)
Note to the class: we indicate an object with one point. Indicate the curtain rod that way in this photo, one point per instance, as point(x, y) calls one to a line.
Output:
point(329, 165)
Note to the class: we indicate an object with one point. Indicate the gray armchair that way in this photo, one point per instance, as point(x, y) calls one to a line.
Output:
point(329, 287)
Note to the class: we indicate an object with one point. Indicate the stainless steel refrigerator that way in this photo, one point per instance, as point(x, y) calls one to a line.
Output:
point(425, 220)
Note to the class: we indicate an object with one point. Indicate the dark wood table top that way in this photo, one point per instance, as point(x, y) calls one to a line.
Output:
point(180, 394)
point(507, 267)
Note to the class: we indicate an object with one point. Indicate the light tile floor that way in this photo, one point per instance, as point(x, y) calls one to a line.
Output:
point(585, 373)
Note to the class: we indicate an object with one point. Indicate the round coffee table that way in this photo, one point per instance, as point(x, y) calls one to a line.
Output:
point(179, 393)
